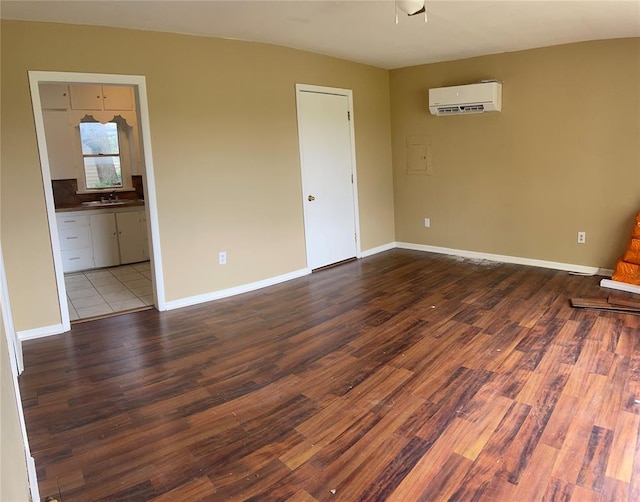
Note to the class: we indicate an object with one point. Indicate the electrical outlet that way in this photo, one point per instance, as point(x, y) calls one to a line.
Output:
point(427, 222)
point(582, 237)
point(222, 258)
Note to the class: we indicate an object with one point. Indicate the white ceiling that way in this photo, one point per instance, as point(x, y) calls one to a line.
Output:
point(359, 30)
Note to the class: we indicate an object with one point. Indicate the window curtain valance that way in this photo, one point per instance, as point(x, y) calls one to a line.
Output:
point(130, 118)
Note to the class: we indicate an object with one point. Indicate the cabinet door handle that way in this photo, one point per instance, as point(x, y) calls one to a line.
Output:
point(74, 258)
point(71, 238)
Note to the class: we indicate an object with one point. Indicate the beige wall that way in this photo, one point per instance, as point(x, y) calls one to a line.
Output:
point(563, 155)
point(225, 147)
point(14, 485)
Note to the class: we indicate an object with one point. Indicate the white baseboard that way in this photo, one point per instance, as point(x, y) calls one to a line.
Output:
point(30, 334)
point(569, 267)
point(378, 249)
point(33, 478)
point(620, 286)
point(245, 288)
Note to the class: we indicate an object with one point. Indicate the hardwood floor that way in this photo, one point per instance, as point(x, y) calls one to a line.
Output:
point(404, 376)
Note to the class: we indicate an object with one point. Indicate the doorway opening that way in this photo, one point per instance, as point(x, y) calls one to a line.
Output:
point(104, 240)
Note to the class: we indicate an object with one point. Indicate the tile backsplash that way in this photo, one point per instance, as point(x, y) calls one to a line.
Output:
point(65, 192)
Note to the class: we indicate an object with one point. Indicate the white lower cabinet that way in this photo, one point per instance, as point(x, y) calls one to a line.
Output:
point(76, 248)
point(132, 237)
point(102, 238)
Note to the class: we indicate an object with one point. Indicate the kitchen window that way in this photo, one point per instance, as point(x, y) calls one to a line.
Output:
point(101, 155)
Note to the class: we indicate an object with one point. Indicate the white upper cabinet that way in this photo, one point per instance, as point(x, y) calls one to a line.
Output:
point(86, 97)
point(54, 96)
point(117, 97)
point(64, 155)
point(101, 97)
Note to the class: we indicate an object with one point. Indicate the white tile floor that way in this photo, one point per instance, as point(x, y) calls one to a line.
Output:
point(108, 290)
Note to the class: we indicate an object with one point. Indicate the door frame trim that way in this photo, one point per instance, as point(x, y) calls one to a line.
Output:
point(138, 82)
point(348, 93)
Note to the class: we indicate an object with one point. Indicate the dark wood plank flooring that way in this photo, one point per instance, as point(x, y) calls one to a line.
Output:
point(404, 376)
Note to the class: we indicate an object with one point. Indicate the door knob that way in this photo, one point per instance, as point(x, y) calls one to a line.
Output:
point(311, 197)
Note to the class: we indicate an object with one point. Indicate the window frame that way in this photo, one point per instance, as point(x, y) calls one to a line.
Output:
point(124, 155)
point(117, 156)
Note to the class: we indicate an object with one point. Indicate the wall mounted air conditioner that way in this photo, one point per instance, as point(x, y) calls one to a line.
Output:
point(462, 99)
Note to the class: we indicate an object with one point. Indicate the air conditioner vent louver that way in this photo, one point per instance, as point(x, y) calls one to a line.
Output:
point(472, 109)
point(457, 110)
point(466, 99)
point(446, 110)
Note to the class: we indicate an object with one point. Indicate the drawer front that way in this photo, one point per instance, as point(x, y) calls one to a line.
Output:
point(72, 221)
point(77, 259)
point(75, 238)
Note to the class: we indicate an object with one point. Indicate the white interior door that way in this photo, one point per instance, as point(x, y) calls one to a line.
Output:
point(326, 153)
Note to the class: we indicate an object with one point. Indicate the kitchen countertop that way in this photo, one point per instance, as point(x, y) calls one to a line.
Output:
point(81, 207)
